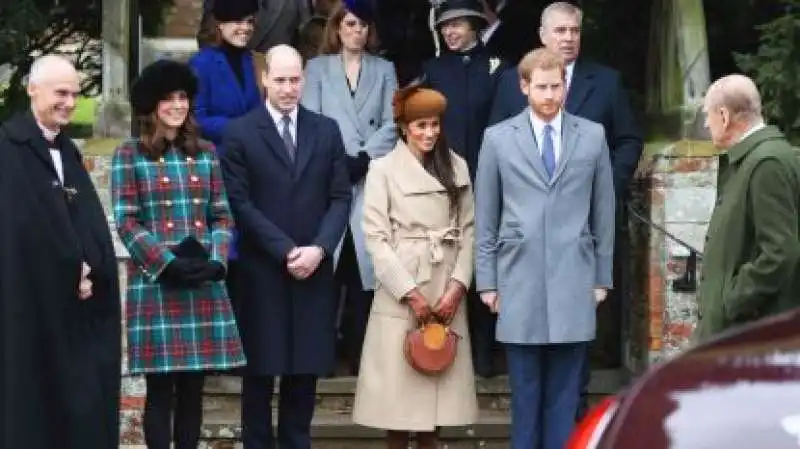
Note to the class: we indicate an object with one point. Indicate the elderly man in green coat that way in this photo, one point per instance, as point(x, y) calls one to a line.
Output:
point(752, 246)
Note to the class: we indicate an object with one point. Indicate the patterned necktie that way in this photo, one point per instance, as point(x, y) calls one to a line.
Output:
point(548, 151)
point(286, 135)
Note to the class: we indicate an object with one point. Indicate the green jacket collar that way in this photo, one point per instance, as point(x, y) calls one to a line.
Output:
point(743, 148)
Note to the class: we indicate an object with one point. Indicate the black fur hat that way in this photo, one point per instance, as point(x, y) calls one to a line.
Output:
point(157, 81)
point(233, 10)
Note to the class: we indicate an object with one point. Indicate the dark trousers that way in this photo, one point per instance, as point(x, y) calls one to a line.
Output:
point(357, 304)
point(295, 411)
point(178, 392)
point(482, 323)
point(545, 381)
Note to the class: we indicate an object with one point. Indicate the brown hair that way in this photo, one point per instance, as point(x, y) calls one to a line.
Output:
point(154, 144)
point(331, 44)
point(542, 59)
point(208, 35)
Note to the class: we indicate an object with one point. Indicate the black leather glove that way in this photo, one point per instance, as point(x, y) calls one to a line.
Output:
point(213, 272)
point(357, 166)
point(182, 272)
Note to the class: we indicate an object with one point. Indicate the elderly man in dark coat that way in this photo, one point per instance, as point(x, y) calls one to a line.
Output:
point(59, 294)
point(750, 268)
point(288, 184)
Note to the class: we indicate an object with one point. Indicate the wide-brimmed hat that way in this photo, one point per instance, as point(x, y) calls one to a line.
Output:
point(453, 9)
point(157, 81)
point(415, 102)
point(233, 10)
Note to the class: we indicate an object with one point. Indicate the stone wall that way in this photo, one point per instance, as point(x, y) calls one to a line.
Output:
point(676, 192)
point(183, 19)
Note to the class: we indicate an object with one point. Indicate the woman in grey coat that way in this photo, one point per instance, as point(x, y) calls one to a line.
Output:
point(354, 87)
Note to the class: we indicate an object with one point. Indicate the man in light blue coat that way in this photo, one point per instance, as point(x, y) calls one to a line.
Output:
point(544, 196)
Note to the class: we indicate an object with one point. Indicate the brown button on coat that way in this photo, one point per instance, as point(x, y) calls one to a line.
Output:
point(414, 242)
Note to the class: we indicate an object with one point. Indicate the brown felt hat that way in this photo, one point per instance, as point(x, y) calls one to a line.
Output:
point(414, 102)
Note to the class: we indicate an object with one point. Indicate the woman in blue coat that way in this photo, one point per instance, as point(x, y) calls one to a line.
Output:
point(228, 86)
point(354, 87)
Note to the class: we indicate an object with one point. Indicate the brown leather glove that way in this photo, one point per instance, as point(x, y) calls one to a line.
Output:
point(418, 304)
point(448, 303)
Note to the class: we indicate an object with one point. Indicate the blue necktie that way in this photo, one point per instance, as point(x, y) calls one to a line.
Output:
point(548, 152)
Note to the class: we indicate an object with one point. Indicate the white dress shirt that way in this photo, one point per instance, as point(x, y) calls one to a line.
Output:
point(568, 81)
point(277, 117)
point(555, 134)
point(55, 153)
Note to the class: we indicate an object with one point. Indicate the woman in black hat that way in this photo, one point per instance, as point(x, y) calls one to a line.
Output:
point(467, 74)
point(228, 83)
point(172, 215)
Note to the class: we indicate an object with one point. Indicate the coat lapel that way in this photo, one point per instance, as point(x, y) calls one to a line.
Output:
point(269, 132)
point(341, 89)
point(306, 139)
point(526, 142)
point(413, 178)
point(582, 84)
point(366, 82)
point(570, 132)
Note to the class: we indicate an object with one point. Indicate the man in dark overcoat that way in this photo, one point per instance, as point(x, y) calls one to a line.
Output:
point(752, 249)
point(288, 185)
point(59, 294)
point(467, 75)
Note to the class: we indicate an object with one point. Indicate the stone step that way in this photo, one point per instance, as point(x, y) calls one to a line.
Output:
point(336, 430)
point(336, 395)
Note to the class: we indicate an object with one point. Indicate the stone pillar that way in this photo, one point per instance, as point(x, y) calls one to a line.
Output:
point(113, 111)
point(677, 69)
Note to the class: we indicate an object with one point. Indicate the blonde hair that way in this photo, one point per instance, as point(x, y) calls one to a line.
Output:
point(543, 59)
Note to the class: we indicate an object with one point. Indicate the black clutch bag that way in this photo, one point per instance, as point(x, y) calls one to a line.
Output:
point(190, 248)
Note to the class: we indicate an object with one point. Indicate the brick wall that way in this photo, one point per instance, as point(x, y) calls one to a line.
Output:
point(183, 19)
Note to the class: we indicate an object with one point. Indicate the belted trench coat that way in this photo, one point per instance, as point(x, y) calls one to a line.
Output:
point(415, 242)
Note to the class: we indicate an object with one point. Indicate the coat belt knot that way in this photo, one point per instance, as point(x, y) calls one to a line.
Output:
point(436, 238)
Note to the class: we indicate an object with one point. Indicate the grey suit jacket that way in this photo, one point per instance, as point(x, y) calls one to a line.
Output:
point(277, 22)
point(365, 120)
point(544, 244)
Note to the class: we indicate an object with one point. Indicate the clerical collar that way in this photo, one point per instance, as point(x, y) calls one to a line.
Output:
point(48, 133)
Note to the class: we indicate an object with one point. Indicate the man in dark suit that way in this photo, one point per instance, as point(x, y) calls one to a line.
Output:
point(288, 185)
point(508, 33)
point(278, 22)
point(595, 92)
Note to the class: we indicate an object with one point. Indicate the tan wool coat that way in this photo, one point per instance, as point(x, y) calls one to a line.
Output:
point(414, 243)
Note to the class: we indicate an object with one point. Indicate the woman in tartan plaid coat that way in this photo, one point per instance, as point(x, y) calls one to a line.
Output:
point(167, 186)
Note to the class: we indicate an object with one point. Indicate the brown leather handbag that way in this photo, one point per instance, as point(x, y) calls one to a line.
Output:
point(431, 348)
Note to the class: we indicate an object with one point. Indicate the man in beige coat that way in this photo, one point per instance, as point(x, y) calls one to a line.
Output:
point(418, 223)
